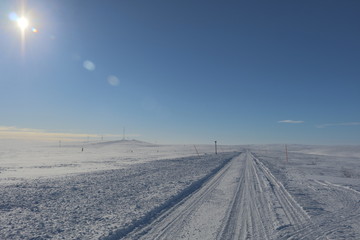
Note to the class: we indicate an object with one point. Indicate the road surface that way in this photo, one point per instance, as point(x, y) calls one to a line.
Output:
point(242, 201)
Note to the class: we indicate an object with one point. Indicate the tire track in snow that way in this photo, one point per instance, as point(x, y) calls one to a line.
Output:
point(242, 201)
point(263, 206)
point(290, 215)
point(243, 220)
point(337, 224)
point(170, 225)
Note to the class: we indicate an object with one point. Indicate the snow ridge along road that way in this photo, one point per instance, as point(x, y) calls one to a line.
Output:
point(242, 201)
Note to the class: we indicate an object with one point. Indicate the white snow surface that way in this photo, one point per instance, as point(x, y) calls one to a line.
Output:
point(23, 160)
point(137, 190)
point(110, 187)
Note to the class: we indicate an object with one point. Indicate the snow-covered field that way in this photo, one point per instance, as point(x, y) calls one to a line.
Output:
point(136, 190)
point(21, 160)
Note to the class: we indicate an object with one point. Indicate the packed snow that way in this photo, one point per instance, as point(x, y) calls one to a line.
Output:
point(135, 190)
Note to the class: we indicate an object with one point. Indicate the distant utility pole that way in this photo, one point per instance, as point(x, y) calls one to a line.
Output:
point(215, 147)
point(196, 151)
point(286, 153)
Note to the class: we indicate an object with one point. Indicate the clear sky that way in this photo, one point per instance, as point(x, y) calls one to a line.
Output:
point(183, 71)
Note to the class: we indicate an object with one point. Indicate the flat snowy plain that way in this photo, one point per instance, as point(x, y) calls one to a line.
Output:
point(136, 190)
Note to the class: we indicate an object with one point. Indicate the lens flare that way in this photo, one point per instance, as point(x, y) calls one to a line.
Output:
point(89, 65)
point(113, 80)
point(34, 30)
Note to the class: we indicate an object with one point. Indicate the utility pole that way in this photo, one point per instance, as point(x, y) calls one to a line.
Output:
point(215, 147)
point(286, 153)
point(197, 151)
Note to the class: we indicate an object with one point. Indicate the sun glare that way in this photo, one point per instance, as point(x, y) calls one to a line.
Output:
point(23, 23)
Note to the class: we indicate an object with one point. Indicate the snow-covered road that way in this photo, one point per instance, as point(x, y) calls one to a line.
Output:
point(242, 201)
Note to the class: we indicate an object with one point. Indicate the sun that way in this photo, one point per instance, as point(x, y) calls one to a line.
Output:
point(23, 23)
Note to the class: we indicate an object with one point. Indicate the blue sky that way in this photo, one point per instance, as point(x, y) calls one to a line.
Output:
point(184, 71)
